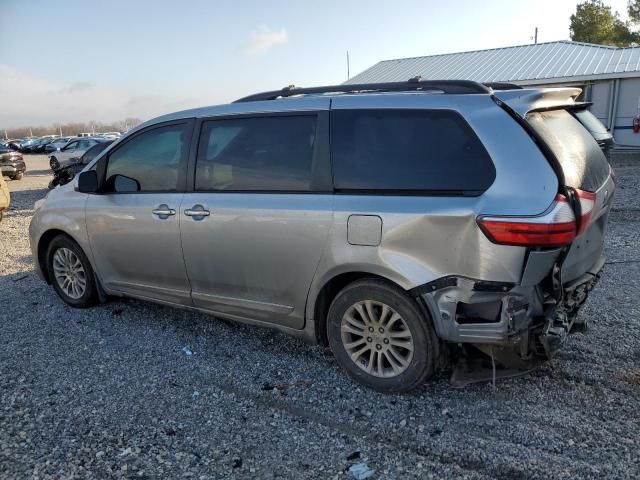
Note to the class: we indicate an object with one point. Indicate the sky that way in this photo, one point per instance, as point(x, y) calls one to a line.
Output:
point(82, 60)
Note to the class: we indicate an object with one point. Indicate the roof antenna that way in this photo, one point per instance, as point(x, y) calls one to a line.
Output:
point(348, 69)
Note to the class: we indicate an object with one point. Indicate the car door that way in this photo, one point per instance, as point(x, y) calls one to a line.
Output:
point(133, 229)
point(67, 152)
point(259, 213)
point(83, 146)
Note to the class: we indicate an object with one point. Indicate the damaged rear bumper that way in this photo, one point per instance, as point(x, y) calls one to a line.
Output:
point(518, 323)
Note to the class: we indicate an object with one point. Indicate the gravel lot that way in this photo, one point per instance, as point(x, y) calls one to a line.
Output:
point(110, 392)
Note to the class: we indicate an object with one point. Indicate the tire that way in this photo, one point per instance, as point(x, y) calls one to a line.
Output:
point(411, 337)
point(17, 176)
point(62, 248)
point(53, 163)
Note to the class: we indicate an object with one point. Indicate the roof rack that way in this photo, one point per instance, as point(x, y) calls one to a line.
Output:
point(413, 84)
point(503, 86)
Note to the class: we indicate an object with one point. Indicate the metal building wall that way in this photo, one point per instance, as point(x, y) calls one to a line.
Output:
point(628, 106)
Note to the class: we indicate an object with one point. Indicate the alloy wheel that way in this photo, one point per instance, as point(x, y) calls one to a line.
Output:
point(377, 338)
point(69, 273)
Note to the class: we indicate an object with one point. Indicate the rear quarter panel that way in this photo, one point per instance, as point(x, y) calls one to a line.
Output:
point(428, 237)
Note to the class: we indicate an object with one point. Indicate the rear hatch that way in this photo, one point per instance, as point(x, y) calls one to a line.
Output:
point(587, 177)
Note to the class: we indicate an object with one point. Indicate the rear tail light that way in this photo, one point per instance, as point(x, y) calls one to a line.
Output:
point(554, 228)
point(587, 203)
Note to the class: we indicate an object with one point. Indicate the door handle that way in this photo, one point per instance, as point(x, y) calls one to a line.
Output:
point(197, 211)
point(163, 211)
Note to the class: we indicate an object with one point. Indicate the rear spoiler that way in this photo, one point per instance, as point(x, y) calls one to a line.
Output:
point(527, 100)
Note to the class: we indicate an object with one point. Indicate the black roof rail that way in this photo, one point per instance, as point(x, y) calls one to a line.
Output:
point(413, 84)
point(503, 86)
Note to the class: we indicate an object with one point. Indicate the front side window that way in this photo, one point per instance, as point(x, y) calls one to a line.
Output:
point(152, 158)
point(256, 154)
point(425, 151)
point(71, 146)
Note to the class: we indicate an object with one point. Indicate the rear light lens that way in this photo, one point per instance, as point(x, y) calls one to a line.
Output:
point(587, 203)
point(554, 228)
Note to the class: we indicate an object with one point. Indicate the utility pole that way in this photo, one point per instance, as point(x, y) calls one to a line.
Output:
point(535, 36)
point(348, 69)
point(60, 127)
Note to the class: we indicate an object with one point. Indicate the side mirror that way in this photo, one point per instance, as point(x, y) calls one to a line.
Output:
point(122, 184)
point(88, 182)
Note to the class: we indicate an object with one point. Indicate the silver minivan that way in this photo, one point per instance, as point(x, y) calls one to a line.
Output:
point(401, 224)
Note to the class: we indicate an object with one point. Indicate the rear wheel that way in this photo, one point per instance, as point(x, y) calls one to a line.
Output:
point(53, 163)
point(379, 335)
point(70, 273)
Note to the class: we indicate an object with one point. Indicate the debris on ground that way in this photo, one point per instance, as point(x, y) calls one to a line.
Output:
point(187, 351)
point(286, 386)
point(353, 456)
point(359, 471)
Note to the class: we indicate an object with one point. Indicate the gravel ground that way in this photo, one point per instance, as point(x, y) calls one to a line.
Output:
point(110, 392)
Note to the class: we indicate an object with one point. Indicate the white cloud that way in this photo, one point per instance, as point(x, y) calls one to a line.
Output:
point(263, 39)
point(28, 100)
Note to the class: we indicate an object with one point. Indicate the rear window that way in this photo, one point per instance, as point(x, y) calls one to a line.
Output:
point(582, 161)
point(424, 151)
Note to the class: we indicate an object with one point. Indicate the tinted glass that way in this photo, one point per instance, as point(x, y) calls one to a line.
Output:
point(408, 150)
point(152, 158)
point(256, 154)
point(583, 163)
point(93, 152)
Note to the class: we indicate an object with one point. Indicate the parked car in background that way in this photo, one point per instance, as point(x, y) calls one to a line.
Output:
point(71, 152)
point(64, 175)
point(40, 146)
point(16, 143)
point(11, 163)
point(27, 145)
point(595, 127)
point(395, 228)
point(56, 144)
point(5, 196)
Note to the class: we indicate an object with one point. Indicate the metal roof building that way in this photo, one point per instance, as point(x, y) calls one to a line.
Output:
point(609, 76)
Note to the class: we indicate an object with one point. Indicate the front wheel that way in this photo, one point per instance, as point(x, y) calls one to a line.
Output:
point(70, 273)
point(53, 163)
point(17, 176)
point(379, 335)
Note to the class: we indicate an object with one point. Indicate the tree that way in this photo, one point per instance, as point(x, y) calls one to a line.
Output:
point(594, 22)
point(633, 9)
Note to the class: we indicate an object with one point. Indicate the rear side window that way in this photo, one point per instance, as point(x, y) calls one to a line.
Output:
point(424, 151)
point(272, 153)
point(582, 161)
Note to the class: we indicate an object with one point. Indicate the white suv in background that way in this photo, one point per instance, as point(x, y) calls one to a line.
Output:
point(71, 152)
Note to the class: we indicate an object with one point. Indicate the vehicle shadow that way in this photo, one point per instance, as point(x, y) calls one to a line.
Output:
point(38, 173)
point(22, 201)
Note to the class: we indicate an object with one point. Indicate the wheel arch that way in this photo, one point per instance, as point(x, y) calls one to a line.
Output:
point(43, 245)
point(320, 298)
